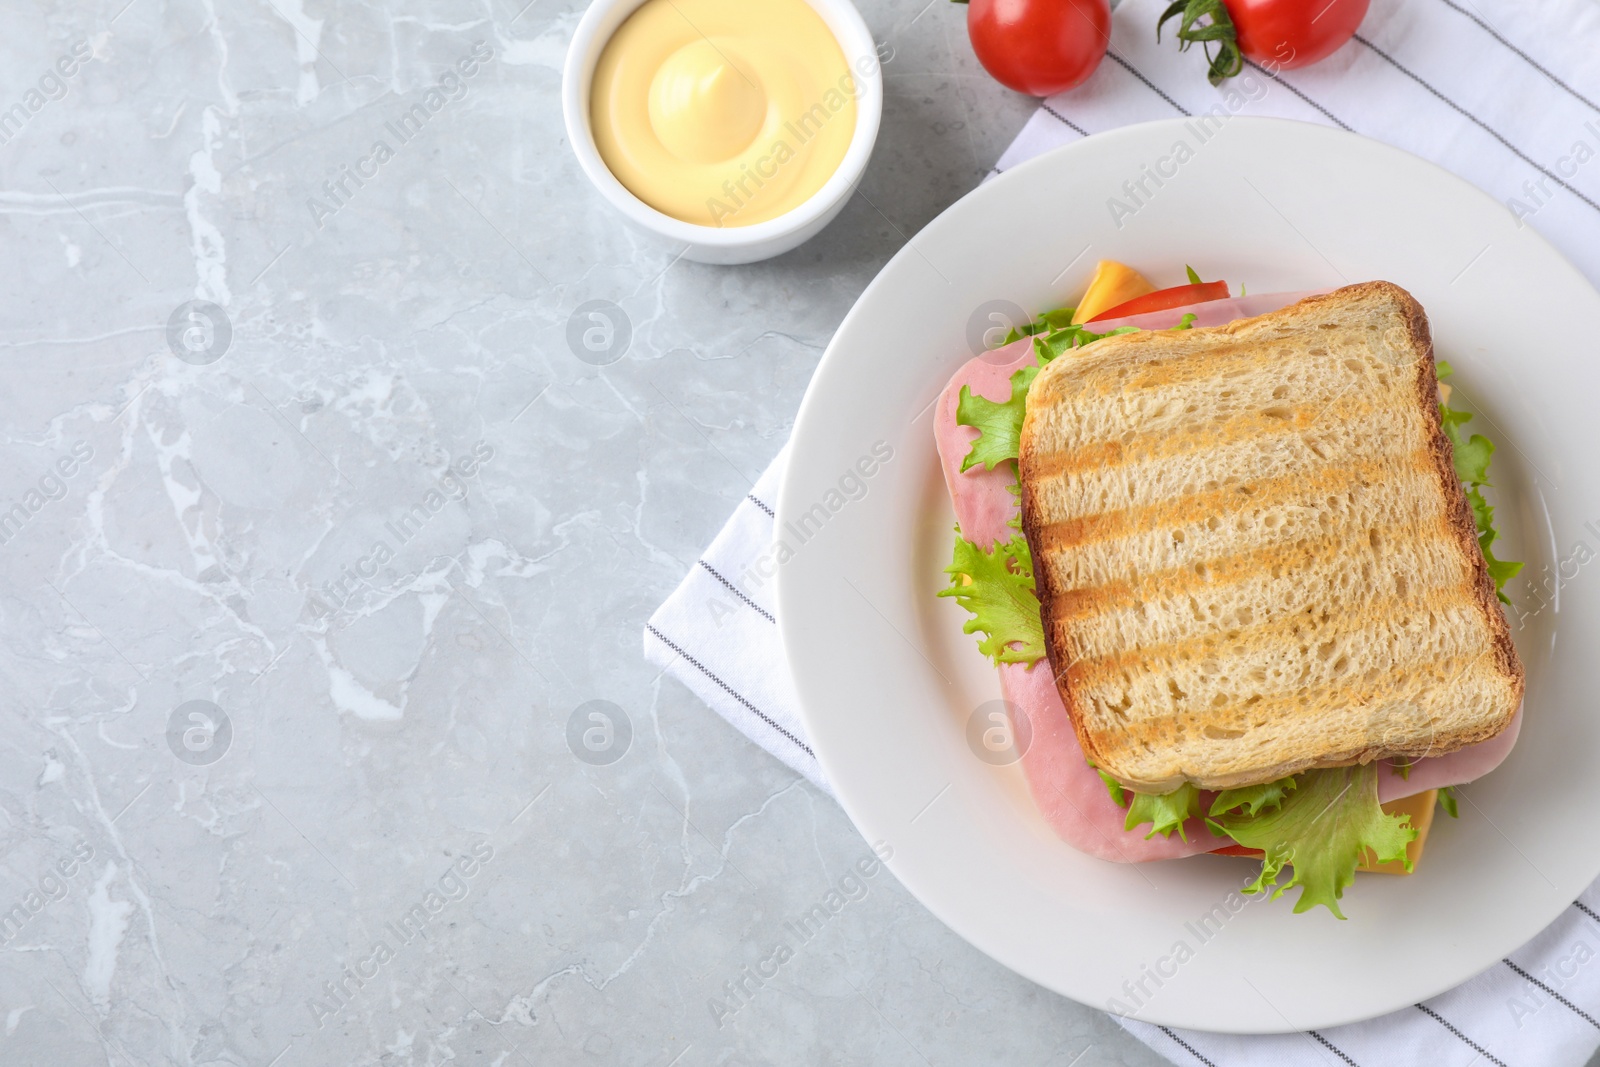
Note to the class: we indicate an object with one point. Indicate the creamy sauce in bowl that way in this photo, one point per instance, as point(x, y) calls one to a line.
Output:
point(723, 112)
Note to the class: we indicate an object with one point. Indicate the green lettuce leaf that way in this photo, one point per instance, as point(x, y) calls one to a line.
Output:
point(1447, 801)
point(1049, 346)
point(1060, 318)
point(1322, 828)
point(1054, 333)
point(1119, 795)
point(1501, 570)
point(1252, 798)
point(1472, 456)
point(1164, 812)
point(1086, 337)
point(999, 425)
point(1000, 597)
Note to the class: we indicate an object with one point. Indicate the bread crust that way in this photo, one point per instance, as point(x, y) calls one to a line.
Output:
point(1459, 519)
point(1462, 523)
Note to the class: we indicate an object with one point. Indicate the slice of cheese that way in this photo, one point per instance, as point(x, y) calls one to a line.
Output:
point(1113, 283)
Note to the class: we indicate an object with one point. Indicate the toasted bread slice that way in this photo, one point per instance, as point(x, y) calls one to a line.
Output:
point(1252, 552)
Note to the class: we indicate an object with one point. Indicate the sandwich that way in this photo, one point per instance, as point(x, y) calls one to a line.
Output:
point(1233, 560)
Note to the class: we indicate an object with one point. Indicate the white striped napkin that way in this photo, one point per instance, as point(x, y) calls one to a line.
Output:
point(1505, 95)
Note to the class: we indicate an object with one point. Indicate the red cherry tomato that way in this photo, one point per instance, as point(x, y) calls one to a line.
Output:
point(1292, 33)
point(1039, 47)
point(1162, 299)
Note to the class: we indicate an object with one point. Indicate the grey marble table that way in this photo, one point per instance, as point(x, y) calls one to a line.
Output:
point(314, 533)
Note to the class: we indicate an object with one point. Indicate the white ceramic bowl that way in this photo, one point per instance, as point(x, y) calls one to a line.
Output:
point(731, 244)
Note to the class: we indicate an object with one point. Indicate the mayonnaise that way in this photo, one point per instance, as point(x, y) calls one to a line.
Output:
point(723, 112)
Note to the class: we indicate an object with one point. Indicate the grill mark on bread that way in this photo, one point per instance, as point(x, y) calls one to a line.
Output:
point(1288, 490)
point(1216, 630)
point(1075, 604)
point(1293, 421)
point(1207, 545)
point(1330, 636)
point(1377, 339)
point(1156, 369)
point(1348, 739)
point(1150, 360)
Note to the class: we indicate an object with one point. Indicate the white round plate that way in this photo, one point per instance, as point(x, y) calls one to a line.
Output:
point(887, 680)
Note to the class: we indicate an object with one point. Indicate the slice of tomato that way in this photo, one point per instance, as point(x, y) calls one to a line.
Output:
point(1163, 299)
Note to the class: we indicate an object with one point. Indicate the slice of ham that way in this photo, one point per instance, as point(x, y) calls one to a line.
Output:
point(1457, 768)
point(1066, 790)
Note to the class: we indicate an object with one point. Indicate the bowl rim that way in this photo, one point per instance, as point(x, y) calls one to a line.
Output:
point(595, 28)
